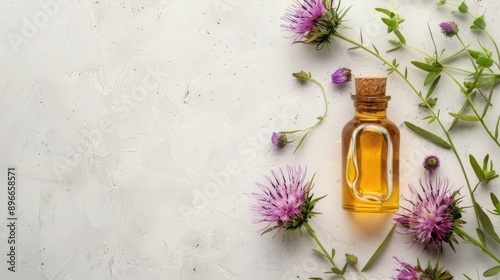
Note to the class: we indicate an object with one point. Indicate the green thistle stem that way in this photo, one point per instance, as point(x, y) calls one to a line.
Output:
point(359, 271)
point(458, 230)
point(305, 132)
point(451, 57)
point(494, 44)
point(311, 232)
point(465, 47)
point(324, 99)
point(418, 50)
point(459, 69)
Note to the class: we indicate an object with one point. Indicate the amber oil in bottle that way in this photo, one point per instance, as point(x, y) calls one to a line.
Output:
point(370, 151)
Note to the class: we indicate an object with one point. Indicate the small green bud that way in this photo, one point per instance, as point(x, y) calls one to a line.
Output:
point(302, 76)
point(351, 259)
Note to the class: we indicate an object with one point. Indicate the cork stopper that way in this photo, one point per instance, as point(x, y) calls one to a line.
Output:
point(370, 94)
point(370, 86)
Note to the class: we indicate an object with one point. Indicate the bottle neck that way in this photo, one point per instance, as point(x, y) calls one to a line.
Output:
point(369, 107)
point(370, 115)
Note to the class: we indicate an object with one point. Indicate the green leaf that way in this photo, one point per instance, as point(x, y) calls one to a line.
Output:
point(301, 141)
point(477, 169)
point(336, 271)
point(494, 199)
point(432, 102)
point(319, 253)
point(400, 36)
point(496, 129)
point(485, 163)
point(479, 23)
point(315, 278)
point(492, 271)
point(344, 268)
point(480, 234)
point(483, 82)
point(428, 135)
point(397, 44)
point(465, 117)
point(313, 202)
point(474, 54)
point(269, 229)
point(433, 86)
point(333, 253)
point(486, 222)
point(430, 119)
point(391, 23)
point(463, 8)
point(426, 67)
point(496, 204)
point(380, 248)
point(429, 78)
point(385, 11)
point(484, 61)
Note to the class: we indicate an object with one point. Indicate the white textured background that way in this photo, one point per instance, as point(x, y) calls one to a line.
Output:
point(138, 129)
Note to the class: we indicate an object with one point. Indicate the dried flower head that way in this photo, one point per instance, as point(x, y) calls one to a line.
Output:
point(449, 28)
point(285, 201)
point(312, 21)
point(417, 272)
point(433, 214)
point(278, 139)
point(341, 75)
point(431, 163)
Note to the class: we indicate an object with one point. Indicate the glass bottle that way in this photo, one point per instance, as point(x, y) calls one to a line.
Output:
point(370, 151)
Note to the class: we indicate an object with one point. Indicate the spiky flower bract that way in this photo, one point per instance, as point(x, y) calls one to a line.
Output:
point(285, 201)
point(433, 214)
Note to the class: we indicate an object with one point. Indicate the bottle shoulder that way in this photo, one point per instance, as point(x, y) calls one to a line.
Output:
point(383, 122)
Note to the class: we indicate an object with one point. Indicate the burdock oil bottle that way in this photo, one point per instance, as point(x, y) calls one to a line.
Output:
point(370, 152)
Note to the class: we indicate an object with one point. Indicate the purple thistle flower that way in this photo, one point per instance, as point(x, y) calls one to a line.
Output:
point(341, 75)
point(301, 17)
point(279, 139)
point(312, 21)
point(431, 163)
point(417, 272)
point(284, 201)
point(433, 216)
point(406, 271)
point(449, 28)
